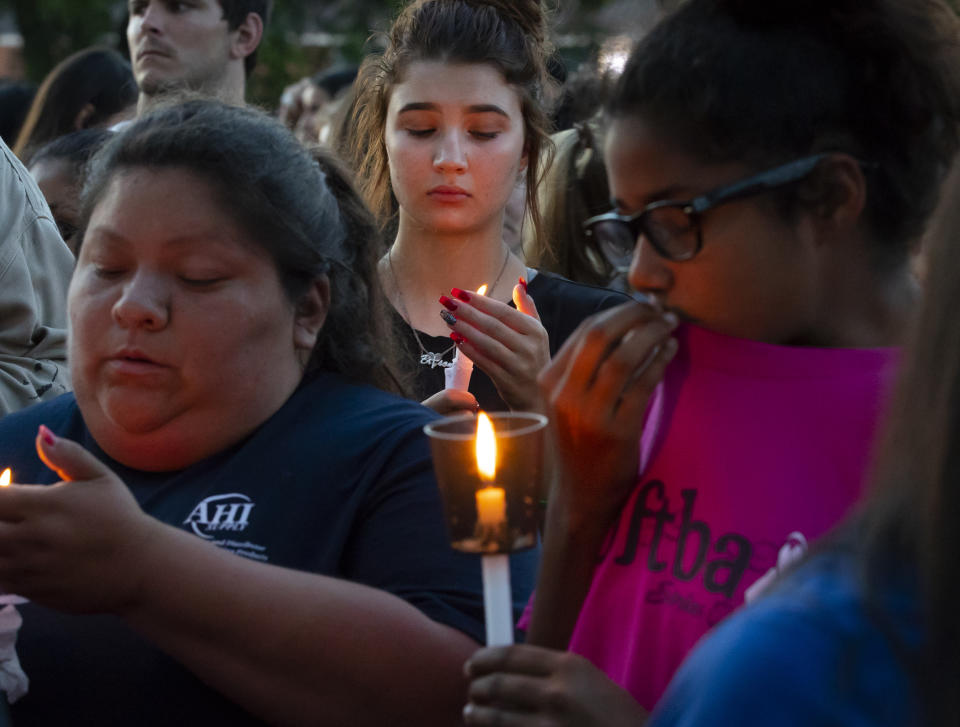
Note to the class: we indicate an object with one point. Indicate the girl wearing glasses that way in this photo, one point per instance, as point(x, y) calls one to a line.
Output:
point(775, 164)
point(448, 121)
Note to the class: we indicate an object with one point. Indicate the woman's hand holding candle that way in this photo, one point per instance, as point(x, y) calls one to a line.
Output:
point(79, 545)
point(526, 685)
point(510, 346)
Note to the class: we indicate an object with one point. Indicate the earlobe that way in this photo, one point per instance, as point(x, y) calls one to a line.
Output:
point(311, 314)
point(247, 36)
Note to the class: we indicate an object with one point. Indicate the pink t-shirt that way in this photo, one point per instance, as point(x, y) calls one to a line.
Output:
point(746, 444)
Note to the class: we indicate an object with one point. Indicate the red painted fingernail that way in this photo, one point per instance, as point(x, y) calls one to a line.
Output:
point(447, 303)
point(457, 338)
point(47, 436)
point(461, 294)
point(523, 284)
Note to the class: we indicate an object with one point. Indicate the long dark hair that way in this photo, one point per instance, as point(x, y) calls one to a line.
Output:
point(912, 516)
point(100, 77)
point(509, 35)
point(574, 188)
point(764, 82)
point(280, 195)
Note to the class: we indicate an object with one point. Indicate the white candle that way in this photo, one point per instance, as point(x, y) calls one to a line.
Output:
point(458, 376)
point(497, 609)
point(491, 507)
point(491, 519)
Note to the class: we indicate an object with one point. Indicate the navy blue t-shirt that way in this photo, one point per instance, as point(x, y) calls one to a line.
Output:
point(338, 482)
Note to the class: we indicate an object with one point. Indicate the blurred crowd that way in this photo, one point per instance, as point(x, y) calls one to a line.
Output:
point(714, 262)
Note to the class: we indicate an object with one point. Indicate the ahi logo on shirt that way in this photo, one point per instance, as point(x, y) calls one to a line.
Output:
point(230, 512)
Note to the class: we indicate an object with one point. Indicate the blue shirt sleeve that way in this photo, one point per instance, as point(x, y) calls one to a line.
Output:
point(805, 656)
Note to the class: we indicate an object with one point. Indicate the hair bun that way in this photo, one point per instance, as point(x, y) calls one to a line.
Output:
point(528, 14)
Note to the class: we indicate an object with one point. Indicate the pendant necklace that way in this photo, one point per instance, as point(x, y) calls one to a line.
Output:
point(427, 357)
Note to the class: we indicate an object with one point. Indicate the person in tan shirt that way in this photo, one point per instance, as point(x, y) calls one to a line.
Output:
point(35, 269)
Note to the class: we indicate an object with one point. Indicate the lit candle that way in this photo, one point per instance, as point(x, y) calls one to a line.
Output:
point(491, 500)
point(6, 477)
point(491, 507)
point(458, 375)
point(491, 520)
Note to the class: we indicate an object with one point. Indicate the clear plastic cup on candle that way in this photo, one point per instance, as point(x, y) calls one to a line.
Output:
point(490, 512)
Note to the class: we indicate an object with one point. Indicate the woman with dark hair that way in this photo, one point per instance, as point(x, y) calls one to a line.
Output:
point(446, 123)
point(226, 342)
point(59, 169)
point(774, 164)
point(93, 87)
point(865, 631)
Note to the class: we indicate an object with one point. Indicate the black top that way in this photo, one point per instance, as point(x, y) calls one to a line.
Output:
point(339, 482)
point(562, 305)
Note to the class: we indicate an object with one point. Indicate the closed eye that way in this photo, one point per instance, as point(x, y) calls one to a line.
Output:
point(420, 133)
point(201, 282)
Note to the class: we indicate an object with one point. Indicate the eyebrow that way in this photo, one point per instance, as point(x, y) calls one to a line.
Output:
point(473, 109)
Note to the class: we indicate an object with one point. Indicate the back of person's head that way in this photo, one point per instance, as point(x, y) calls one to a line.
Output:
point(335, 81)
point(15, 100)
point(573, 189)
point(583, 92)
point(236, 11)
point(59, 168)
point(75, 148)
point(509, 35)
point(910, 521)
point(86, 89)
point(281, 197)
point(766, 82)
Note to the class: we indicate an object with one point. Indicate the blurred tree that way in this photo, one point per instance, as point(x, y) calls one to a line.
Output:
point(53, 29)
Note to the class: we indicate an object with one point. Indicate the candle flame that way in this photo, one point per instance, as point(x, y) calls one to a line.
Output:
point(482, 290)
point(486, 448)
point(6, 477)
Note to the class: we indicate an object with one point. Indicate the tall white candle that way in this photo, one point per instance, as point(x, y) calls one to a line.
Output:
point(492, 518)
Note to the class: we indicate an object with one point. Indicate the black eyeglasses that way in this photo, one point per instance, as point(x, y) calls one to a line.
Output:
point(673, 226)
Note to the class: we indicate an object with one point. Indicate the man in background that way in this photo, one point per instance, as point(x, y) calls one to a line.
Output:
point(206, 46)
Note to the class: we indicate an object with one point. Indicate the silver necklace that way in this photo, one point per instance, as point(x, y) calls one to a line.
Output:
point(427, 357)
